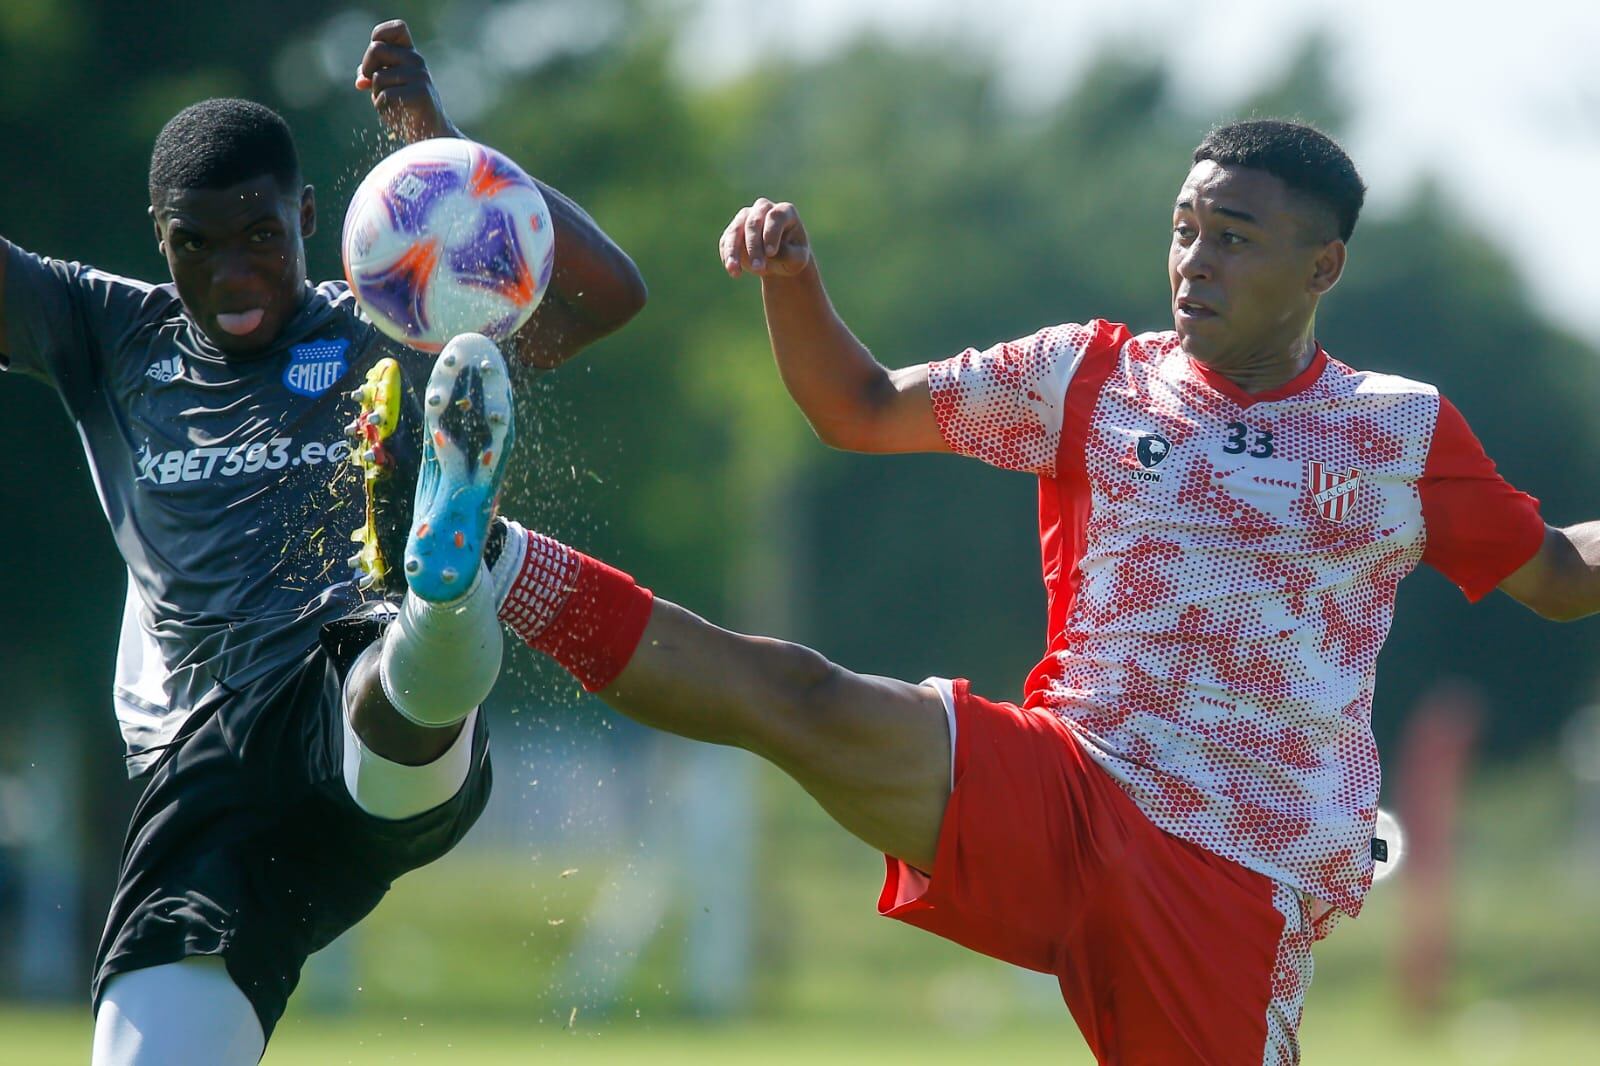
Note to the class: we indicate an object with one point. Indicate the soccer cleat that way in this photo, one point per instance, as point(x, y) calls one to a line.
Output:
point(467, 435)
point(382, 446)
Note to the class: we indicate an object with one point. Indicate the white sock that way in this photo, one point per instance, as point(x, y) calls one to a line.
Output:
point(187, 1013)
point(504, 572)
point(392, 790)
point(439, 661)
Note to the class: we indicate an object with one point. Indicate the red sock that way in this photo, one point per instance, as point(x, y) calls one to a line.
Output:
point(585, 615)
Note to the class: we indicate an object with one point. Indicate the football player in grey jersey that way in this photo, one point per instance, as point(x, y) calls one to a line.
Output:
point(304, 740)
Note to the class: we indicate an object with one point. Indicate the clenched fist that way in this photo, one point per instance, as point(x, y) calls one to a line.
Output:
point(767, 240)
point(393, 71)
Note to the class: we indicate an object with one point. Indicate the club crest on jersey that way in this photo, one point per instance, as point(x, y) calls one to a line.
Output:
point(316, 366)
point(1334, 494)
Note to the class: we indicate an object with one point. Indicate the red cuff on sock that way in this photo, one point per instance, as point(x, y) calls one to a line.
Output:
point(595, 633)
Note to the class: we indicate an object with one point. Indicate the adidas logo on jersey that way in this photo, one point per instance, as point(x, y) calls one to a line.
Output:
point(165, 369)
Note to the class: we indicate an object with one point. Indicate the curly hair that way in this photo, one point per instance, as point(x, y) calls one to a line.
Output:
point(221, 142)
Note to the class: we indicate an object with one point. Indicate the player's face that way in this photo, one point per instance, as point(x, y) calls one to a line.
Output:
point(1246, 266)
point(237, 256)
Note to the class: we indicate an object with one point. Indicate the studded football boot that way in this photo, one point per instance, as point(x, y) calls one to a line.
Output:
point(384, 448)
point(467, 435)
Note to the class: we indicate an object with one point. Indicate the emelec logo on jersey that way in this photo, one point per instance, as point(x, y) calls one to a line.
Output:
point(1151, 450)
point(316, 366)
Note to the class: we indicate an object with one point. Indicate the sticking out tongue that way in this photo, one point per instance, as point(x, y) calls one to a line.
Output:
point(239, 323)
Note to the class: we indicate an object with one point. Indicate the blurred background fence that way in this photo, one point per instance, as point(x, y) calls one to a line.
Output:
point(623, 877)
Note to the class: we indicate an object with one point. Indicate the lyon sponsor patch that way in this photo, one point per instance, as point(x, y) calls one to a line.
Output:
point(1152, 449)
point(316, 366)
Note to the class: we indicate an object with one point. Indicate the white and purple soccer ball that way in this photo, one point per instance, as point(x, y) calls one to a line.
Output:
point(447, 236)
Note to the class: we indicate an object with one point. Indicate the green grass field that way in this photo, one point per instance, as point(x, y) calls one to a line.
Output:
point(1348, 1033)
point(469, 962)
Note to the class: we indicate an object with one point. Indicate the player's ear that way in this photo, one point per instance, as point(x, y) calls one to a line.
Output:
point(1328, 267)
point(161, 239)
point(308, 211)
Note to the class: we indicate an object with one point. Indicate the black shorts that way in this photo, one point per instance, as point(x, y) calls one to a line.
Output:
point(246, 843)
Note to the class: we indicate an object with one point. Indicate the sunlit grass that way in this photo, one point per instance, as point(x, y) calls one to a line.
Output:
point(473, 961)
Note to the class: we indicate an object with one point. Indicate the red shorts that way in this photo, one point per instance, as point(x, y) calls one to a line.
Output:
point(1165, 952)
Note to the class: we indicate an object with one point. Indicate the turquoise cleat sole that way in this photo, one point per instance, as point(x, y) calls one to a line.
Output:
point(468, 433)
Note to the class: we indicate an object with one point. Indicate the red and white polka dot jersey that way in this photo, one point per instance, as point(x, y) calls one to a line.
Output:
point(1221, 569)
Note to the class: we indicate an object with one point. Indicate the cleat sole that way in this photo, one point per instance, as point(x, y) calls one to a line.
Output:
point(469, 414)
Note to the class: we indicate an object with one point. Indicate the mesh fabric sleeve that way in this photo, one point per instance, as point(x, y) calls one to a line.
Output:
point(1480, 530)
point(1005, 405)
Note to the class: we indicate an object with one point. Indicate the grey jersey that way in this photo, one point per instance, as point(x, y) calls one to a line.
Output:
point(224, 479)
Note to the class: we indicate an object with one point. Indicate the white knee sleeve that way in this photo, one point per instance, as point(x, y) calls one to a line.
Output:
point(392, 790)
point(187, 1013)
point(439, 661)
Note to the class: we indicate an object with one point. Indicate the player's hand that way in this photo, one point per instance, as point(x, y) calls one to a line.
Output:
point(393, 71)
point(767, 240)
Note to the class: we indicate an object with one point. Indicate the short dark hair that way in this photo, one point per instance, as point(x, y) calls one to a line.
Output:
point(221, 142)
point(1305, 159)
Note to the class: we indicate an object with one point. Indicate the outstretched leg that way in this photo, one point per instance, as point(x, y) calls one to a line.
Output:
point(874, 752)
point(410, 700)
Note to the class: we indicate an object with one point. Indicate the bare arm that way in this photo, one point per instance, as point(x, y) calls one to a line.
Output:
point(595, 287)
point(1562, 580)
point(851, 400)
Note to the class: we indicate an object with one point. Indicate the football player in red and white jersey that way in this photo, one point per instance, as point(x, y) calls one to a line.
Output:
point(1186, 796)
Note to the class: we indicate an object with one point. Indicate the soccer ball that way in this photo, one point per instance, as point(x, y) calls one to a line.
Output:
point(447, 236)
